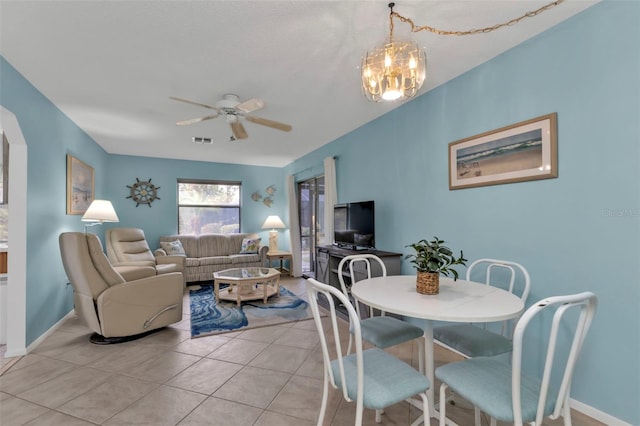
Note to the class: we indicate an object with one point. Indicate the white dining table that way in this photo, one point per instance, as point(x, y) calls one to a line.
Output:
point(458, 301)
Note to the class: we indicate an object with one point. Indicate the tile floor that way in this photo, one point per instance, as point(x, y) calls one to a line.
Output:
point(270, 376)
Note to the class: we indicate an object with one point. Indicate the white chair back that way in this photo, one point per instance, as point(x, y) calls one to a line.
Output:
point(333, 349)
point(496, 266)
point(352, 260)
point(586, 304)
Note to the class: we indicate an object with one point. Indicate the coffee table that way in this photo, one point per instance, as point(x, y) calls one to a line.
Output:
point(246, 284)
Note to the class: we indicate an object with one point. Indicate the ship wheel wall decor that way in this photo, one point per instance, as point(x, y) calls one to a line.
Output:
point(143, 192)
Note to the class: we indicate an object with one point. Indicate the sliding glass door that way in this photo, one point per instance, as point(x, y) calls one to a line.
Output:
point(311, 208)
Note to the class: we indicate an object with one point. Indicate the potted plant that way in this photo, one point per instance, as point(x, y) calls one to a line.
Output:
point(432, 258)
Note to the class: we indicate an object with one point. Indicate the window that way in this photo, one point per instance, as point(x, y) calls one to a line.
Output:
point(208, 207)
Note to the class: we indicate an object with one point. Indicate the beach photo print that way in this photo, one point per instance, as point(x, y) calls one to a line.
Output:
point(520, 152)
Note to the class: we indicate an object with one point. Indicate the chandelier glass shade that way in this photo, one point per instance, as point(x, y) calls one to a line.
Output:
point(393, 71)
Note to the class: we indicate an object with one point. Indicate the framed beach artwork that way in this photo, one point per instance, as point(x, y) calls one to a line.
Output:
point(80, 189)
point(523, 151)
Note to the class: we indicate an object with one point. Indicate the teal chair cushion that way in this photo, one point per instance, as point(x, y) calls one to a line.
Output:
point(486, 383)
point(385, 332)
point(387, 380)
point(472, 341)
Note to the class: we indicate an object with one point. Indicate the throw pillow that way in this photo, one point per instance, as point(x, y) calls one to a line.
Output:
point(173, 248)
point(250, 245)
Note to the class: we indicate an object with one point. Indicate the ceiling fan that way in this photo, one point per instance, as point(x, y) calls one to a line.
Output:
point(232, 110)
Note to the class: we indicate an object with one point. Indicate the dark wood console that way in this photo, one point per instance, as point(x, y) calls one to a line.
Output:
point(328, 258)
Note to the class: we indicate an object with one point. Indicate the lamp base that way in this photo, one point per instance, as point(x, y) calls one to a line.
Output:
point(273, 240)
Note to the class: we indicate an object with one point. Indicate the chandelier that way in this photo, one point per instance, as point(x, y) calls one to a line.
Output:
point(396, 69)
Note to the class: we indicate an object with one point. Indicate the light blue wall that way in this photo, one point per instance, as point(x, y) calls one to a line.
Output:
point(578, 232)
point(50, 136)
point(161, 218)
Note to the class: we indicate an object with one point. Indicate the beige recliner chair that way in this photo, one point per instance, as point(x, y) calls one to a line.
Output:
point(115, 309)
point(129, 253)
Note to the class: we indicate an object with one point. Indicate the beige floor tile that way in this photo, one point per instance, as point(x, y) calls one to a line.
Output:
point(123, 357)
point(302, 397)
point(281, 358)
point(397, 414)
point(238, 351)
point(65, 387)
point(313, 366)
point(15, 411)
point(163, 406)
point(163, 367)
point(202, 346)
point(167, 337)
point(57, 419)
point(309, 324)
point(253, 386)
point(269, 418)
point(216, 411)
point(263, 334)
point(205, 376)
point(104, 401)
point(299, 338)
point(17, 381)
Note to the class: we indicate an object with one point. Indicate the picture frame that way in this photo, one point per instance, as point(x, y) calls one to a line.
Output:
point(80, 185)
point(524, 151)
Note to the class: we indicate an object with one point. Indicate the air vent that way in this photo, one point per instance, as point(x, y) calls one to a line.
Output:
point(200, 140)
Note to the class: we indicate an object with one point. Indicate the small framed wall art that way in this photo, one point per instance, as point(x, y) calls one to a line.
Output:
point(80, 185)
point(523, 151)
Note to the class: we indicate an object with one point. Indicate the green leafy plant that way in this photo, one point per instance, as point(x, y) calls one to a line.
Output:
point(433, 256)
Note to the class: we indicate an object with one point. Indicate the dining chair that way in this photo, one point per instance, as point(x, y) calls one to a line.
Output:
point(381, 331)
point(505, 389)
point(372, 378)
point(471, 340)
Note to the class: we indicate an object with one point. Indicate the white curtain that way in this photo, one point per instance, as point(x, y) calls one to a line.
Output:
point(294, 228)
point(330, 197)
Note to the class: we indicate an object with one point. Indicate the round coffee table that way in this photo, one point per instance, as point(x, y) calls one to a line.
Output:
point(246, 284)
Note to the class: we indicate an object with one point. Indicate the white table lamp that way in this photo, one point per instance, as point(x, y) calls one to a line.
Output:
point(99, 211)
point(273, 222)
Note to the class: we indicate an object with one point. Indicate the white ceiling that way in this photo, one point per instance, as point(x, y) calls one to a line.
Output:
point(111, 66)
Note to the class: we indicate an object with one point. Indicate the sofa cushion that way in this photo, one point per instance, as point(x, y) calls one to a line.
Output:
point(192, 261)
point(250, 245)
point(244, 258)
point(190, 243)
point(215, 260)
point(173, 247)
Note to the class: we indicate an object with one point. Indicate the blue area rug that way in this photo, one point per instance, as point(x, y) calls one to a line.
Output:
point(209, 317)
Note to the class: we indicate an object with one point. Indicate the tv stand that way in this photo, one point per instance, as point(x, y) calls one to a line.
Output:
point(328, 258)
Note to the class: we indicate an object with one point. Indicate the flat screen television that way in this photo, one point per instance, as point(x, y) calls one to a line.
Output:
point(354, 225)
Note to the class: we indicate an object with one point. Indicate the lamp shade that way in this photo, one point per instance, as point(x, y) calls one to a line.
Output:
point(273, 222)
point(100, 211)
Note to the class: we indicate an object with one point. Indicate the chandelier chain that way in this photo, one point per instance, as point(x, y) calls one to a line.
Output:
point(415, 28)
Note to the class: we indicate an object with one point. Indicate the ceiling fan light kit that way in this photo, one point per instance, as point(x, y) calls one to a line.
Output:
point(232, 110)
point(396, 69)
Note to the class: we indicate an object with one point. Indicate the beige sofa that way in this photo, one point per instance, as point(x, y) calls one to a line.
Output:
point(209, 253)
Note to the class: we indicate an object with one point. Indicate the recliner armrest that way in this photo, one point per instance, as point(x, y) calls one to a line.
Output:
point(263, 252)
point(124, 308)
point(178, 259)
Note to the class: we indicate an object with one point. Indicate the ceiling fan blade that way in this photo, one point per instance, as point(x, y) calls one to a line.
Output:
point(193, 102)
point(195, 120)
point(250, 105)
point(238, 130)
point(269, 123)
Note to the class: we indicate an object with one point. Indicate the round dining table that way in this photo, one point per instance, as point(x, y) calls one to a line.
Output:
point(458, 301)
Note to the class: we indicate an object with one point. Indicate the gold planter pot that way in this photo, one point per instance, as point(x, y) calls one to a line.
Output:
point(428, 283)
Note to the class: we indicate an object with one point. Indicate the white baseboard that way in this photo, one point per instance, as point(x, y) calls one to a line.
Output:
point(50, 331)
point(596, 414)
